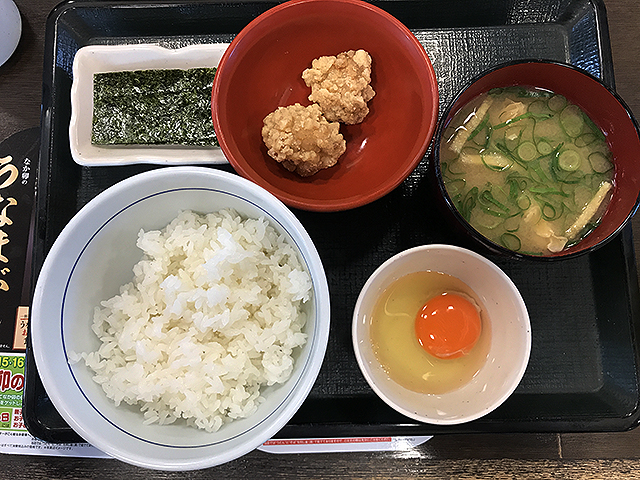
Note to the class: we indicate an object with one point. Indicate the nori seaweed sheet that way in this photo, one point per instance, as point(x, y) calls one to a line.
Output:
point(153, 107)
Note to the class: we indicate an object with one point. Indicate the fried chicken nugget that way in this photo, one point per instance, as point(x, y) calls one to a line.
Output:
point(341, 85)
point(302, 139)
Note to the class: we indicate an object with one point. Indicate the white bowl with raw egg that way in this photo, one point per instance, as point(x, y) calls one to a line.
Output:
point(441, 334)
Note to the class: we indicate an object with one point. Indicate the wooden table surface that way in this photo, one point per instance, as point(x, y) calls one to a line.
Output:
point(532, 456)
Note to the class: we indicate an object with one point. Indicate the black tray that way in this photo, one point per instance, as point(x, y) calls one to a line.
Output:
point(583, 372)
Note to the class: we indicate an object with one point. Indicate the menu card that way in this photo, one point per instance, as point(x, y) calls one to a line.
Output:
point(18, 158)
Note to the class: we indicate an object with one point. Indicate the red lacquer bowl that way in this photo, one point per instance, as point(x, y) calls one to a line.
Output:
point(601, 104)
point(261, 70)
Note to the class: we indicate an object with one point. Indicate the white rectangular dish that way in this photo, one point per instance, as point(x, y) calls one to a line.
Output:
point(113, 58)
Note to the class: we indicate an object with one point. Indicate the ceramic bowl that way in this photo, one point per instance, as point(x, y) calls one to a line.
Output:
point(508, 327)
point(261, 71)
point(603, 106)
point(94, 256)
point(10, 29)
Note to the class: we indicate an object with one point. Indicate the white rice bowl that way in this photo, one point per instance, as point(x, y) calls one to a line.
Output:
point(235, 363)
point(214, 313)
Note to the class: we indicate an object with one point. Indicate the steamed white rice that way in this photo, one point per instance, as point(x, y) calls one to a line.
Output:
point(213, 314)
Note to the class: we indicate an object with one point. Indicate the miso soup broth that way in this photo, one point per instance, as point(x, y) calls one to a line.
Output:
point(527, 169)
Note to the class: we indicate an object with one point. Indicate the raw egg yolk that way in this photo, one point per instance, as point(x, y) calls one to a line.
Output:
point(448, 326)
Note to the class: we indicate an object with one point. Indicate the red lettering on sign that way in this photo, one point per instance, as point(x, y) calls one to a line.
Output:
point(10, 381)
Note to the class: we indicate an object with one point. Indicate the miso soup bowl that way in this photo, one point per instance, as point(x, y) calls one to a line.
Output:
point(508, 324)
point(605, 108)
